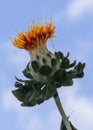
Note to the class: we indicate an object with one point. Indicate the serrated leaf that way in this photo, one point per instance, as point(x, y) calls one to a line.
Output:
point(80, 75)
point(67, 83)
point(79, 68)
point(65, 63)
point(72, 64)
point(20, 93)
point(59, 75)
point(72, 73)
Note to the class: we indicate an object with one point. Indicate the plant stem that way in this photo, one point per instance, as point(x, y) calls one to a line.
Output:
point(61, 110)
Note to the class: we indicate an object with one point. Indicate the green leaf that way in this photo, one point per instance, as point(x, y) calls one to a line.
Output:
point(53, 62)
point(62, 78)
point(79, 68)
point(30, 104)
point(49, 55)
point(49, 90)
point(67, 83)
point(67, 55)
point(27, 83)
point(35, 66)
point(45, 70)
point(27, 74)
point(18, 85)
point(80, 75)
point(37, 57)
point(33, 97)
point(57, 55)
point(38, 85)
point(20, 93)
point(44, 61)
point(20, 80)
point(61, 55)
point(30, 98)
point(59, 75)
point(72, 64)
point(65, 63)
point(72, 73)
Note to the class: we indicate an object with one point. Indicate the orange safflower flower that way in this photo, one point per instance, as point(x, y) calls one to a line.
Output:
point(35, 37)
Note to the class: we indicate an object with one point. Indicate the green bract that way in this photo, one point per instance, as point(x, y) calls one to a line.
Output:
point(44, 75)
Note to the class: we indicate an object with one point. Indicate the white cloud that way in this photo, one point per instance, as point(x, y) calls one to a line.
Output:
point(9, 101)
point(14, 57)
point(54, 119)
point(74, 10)
point(77, 8)
point(31, 122)
point(84, 113)
point(83, 50)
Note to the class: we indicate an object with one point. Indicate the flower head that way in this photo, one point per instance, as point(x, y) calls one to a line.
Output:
point(35, 37)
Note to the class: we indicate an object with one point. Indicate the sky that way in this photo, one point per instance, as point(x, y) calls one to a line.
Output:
point(73, 20)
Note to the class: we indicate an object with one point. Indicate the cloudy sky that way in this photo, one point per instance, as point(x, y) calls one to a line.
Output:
point(73, 20)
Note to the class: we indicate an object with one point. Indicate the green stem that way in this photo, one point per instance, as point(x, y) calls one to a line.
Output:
point(61, 110)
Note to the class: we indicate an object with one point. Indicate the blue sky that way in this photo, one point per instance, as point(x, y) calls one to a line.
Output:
point(73, 20)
